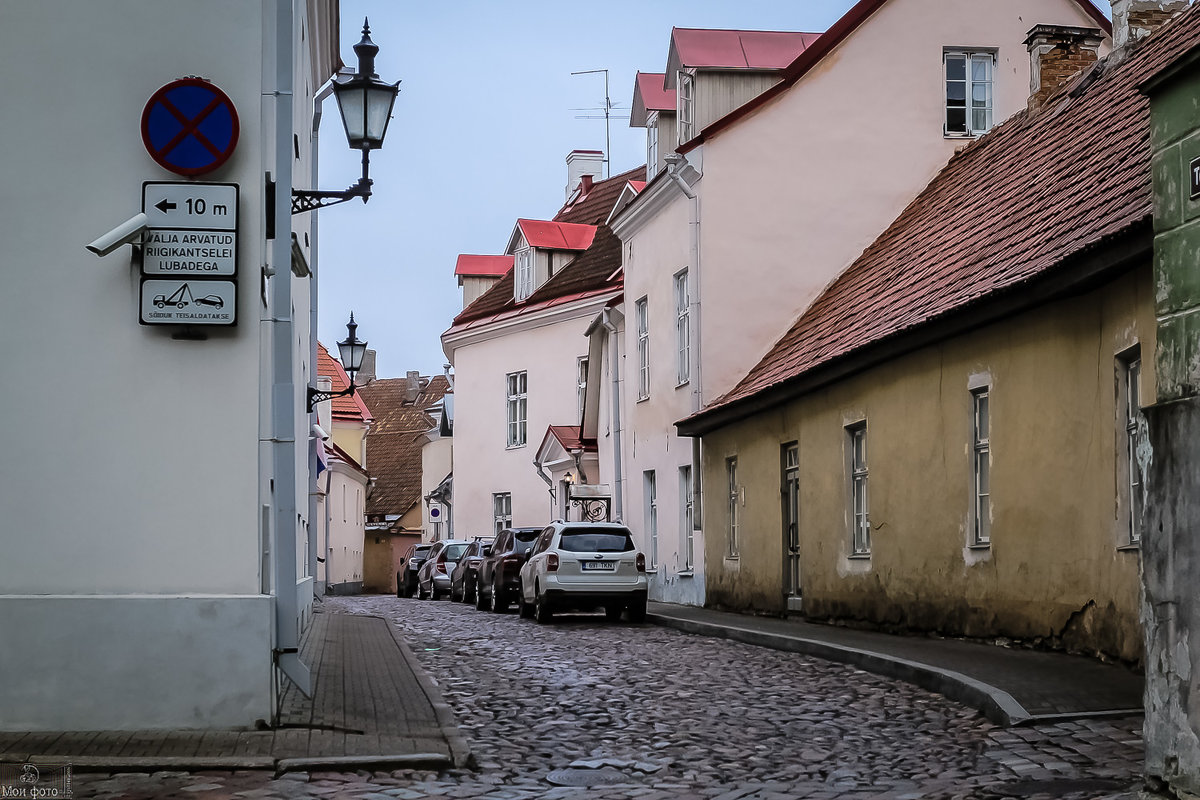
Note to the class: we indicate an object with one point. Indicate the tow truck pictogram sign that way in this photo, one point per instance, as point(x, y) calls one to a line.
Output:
point(188, 302)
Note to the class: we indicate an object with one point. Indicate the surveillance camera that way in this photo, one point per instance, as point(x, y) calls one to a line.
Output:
point(319, 432)
point(125, 233)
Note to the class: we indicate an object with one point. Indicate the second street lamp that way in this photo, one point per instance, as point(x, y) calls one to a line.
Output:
point(351, 352)
point(365, 103)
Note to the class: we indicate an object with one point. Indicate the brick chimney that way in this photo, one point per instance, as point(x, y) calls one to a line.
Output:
point(580, 163)
point(412, 387)
point(1137, 19)
point(1056, 54)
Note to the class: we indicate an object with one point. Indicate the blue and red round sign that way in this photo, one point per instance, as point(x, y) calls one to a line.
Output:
point(190, 127)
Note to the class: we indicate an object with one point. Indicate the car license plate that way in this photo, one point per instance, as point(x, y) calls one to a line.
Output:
point(589, 566)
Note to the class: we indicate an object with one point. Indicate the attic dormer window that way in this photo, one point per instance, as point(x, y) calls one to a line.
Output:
point(687, 107)
point(523, 274)
point(651, 146)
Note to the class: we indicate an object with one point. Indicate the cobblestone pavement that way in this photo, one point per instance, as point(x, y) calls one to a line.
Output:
point(663, 715)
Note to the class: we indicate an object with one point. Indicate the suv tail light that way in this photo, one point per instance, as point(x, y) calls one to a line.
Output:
point(641, 562)
point(552, 562)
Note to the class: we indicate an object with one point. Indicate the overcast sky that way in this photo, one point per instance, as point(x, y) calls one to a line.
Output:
point(486, 115)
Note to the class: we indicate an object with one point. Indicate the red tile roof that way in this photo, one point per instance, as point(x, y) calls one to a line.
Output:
point(482, 266)
point(731, 49)
point(556, 235)
point(350, 408)
point(589, 273)
point(815, 51)
point(395, 440)
point(638, 185)
point(1012, 207)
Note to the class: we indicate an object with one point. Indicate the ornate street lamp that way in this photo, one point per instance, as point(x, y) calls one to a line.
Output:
point(351, 351)
point(365, 103)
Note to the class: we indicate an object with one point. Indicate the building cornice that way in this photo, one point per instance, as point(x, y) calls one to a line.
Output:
point(479, 331)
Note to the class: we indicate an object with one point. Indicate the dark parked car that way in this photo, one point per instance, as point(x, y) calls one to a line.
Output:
point(499, 573)
point(464, 581)
point(406, 579)
point(433, 578)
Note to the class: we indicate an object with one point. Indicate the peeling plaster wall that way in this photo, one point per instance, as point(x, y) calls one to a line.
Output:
point(1170, 560)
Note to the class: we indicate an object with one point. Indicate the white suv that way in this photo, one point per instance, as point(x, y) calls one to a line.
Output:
point(581, 565)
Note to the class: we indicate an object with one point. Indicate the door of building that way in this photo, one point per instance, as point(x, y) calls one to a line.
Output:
point(791, 525)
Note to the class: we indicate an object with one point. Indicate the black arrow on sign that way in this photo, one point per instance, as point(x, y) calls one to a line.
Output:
point(165, 205)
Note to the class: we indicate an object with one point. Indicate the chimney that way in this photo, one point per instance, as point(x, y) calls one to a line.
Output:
point(412, 389)
point(580, 163)
point(1056, 54)
point(1137, 19)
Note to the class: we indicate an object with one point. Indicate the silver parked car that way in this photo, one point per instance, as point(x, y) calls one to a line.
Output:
point(433, 579)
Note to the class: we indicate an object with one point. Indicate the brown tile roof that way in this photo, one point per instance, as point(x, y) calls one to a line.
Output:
point(598, 263)
point(395, 440)
point(1010, 208)
point(350, 408)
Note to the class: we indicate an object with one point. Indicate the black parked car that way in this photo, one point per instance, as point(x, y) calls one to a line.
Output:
point(499, 573)
point(464, 581)
point(406, 579)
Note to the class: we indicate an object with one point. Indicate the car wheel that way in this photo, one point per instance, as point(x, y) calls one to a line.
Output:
point(399, 585)
point(469, 590)
point(421, 593)
point(637, 610)
point(453, 597)
point(499, 601)
point(541, 607)
point(523, 608)
point(613, 612)
point(481, 599)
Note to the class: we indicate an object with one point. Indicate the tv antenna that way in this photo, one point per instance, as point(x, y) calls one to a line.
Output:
point(607, 109)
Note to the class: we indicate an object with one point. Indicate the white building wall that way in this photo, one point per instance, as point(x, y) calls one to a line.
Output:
point(437, 459)
point(547, 348)
point(132, 495)
point(344, 548)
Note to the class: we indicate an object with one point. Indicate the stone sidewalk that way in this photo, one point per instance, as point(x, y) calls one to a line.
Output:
point(1010, 686)
point(373, 707)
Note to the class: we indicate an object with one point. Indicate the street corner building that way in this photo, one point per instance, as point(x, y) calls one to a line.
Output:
point(949, 438)
point(157, 567)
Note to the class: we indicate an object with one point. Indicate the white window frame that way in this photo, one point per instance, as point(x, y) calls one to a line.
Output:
point(651, 146)
point(581, 381)
point(734, 512)
point(683, 331)
point(1129, 370)
point(686, 104)
point(501, 511)
point(517, 384)
point(858, 474)
point(971, 87)
point(687, 521)
point(650, 495)
point(642, 317)
point(981, 467)
point(523, 274)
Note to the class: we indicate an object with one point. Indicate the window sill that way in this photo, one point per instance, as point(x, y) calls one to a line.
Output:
point(733, 558)
point(683, 384)
point(516, 446)
point(1130, 548)
point(651, 570)
point(643, 399)
point(980, 546)
point(859, 556)
point(687, 573)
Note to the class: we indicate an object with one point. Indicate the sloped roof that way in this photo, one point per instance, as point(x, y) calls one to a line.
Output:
point(597, 269)
point(733, 49)
point(347, 408)
point(395, 440)
point(649, 94)
point(552, 235)
point(1037, 190)
point(815, 51)
point(482, 266)
point(569, 437)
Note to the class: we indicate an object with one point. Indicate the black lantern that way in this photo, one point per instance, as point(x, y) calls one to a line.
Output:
point(351, 351)
point(365, 103)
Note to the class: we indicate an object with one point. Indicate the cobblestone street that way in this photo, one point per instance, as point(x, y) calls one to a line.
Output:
point(653, 713)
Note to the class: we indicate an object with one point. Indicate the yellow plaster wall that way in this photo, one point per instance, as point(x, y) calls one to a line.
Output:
point(1054, 571)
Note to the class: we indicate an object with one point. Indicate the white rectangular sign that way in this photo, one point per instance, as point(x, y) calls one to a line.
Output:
point(189, 252)
point(188, 302)
point(191, 206)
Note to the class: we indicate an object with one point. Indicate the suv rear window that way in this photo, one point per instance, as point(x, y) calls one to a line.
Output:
point(575, 541)
point(454, 552)
point(527, 536)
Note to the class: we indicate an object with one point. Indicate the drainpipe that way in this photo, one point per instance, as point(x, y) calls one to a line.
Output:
point(618, 465)
point(541, 473)
point(676, 162)
point(280, 331)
